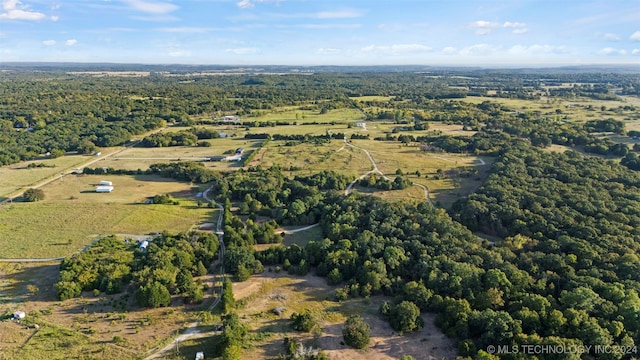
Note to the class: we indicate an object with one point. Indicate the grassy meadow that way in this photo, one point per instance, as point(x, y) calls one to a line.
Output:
point(16, 177)
point(73, 214)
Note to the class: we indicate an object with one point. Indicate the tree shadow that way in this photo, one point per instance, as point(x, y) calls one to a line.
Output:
point(28, 282)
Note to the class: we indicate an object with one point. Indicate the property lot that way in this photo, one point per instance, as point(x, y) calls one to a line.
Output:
point(73, 214)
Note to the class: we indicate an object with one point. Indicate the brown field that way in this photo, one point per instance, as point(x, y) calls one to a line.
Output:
point(109, 326)
point(265, 292)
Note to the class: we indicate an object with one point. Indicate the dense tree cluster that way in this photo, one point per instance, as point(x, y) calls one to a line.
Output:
point(164, 267)
point(32, 195)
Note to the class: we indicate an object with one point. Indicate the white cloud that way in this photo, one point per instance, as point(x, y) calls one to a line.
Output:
point(71, 42)
point(449, 50)
point(533, 50)
point(510, 24)
point(609, 37)
point(49, 42)
point(247, 4)
point(14, 10)
point(635, 52)
point(518, 27)
point(479, 49)
point(483, 27)
point(612, 51)
point(151, 7)
point(635, 36)
point(55, 18)
point(396, 49)
point(328, 51)
point(243, 51)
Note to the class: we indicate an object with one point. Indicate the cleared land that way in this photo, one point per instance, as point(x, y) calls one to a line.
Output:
point(91, 327)
point(73, 214)
point(15, 177)
point(262, 293)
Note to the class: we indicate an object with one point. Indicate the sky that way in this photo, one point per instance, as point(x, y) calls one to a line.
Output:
point(323, 32)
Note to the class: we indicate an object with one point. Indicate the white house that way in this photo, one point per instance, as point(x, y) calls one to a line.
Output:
point(104, 189)
point(19, 315)
point(200, 355)
point(106, 183)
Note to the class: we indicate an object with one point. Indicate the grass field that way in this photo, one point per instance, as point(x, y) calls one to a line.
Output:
point(90, 327)
point(310, 158)
point(306, 116)
point(73, 214)
point(18, 176)
point(578, 109)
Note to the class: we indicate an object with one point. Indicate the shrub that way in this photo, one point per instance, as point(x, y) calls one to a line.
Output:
point(33, 195)
point(356, 332)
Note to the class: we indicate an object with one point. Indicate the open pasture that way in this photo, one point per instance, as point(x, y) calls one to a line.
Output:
point(16, 177)
point(141, 158)
point(307, 159)
point(299, 115)
point(73, 214)
point(576, 109)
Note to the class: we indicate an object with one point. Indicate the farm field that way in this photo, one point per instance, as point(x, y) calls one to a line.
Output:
point(15, 177)
point(578, 109)
point(306, 159)
point(141, 158)
point(73, 214)
point(306, 116)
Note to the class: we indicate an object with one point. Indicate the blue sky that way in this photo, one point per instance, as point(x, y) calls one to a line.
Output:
point(323, 32)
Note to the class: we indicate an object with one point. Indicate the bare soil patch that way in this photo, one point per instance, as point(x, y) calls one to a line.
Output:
point(263, 293)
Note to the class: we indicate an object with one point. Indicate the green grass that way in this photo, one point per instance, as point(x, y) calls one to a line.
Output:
point(302, 116)
point(371, 98)
point(18, 176)
point(303, 237)
point(60, 343)
point(142, 158)
point(72, 215)
point(311, 158)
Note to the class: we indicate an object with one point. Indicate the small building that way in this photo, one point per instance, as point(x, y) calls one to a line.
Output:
point(19, 315)
point(230, 118)
point(144, 245)
point(361, 125)
point(97, 153)
point(104, 189)
point(105, 183)
point(200, 355)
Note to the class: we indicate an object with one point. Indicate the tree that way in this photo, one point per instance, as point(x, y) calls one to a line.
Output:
point(405, 317)
point(154, 295)
point(32, 195)
point(304, 321)
point(227, 302)
point(356, 332)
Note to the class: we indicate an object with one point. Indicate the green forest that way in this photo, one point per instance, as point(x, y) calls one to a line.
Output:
point(546, 251)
